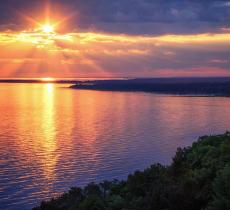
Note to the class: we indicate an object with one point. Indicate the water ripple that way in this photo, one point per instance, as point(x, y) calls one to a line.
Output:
point(53, 138)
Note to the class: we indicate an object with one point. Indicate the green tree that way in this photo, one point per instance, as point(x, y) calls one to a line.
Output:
point(221, 188)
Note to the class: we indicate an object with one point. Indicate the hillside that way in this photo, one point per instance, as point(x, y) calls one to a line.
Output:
point(198, 178)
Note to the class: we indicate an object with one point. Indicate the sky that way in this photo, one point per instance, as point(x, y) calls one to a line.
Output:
point(107, 38)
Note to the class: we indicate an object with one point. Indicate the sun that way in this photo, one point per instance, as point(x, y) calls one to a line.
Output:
point(47, 28)
point(47, 79)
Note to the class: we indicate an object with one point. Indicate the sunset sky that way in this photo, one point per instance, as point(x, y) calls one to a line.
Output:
point(122, 38)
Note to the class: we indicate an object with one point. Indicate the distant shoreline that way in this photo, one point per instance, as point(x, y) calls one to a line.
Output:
point(202, 87)
point(85, 79)
point(40, 81)
point(189, 87)
point(53, 80)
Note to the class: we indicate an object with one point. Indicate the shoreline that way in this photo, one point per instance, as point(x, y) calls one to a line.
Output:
point(176, 88)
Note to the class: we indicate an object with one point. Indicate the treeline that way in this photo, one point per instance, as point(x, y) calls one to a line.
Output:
point(197, 179)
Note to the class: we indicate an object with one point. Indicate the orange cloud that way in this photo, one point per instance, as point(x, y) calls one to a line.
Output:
point(41, 54)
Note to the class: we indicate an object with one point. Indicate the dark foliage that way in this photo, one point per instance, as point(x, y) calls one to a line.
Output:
point(197, 179)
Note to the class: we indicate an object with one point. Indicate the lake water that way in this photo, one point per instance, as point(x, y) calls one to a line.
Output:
point(52, 137)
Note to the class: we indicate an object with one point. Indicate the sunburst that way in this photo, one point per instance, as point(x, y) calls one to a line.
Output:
point(48, 28)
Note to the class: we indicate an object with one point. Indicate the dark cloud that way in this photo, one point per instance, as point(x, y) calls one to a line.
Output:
point(129, 16)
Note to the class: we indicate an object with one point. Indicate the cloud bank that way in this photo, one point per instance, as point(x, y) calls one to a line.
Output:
point(127, 16)
point(108, 55)
point(98, 38)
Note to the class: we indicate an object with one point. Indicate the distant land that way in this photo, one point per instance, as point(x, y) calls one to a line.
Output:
point(195, 86)
point(38, 80)
point(179, 86)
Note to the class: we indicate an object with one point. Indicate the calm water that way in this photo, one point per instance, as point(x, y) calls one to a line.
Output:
point(52, 137)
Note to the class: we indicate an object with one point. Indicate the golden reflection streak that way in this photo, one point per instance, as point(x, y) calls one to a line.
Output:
point(40, 150)
point(49, 130)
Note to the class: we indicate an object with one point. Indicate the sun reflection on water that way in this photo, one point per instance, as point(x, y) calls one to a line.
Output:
point(48, 126)
point(52, 138)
